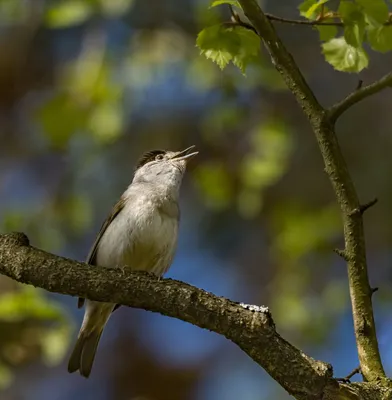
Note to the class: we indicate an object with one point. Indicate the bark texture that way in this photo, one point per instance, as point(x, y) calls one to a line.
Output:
point(250, 327)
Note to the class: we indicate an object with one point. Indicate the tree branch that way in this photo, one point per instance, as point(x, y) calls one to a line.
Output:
point(250, 327)
point(254, 332)
point(365, 91)
point(335, 166)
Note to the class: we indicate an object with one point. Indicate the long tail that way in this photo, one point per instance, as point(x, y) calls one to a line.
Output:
point(94, 321)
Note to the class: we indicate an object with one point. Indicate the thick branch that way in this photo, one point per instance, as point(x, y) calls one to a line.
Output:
point(250, 327)
point(253, 331)
point(335, 166)
point(365, 91)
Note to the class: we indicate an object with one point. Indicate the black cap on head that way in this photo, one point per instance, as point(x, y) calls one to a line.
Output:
point(149, 156)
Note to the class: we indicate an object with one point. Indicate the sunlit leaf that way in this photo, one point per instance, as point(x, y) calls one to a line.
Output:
point(233, 3)
point(220, 57)
point(222, 45)
point(314, 8)
point(305, 6)
point(344, 57)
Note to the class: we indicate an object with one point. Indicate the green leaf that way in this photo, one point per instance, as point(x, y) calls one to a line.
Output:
point(66, 13)
point(249, 48)
point(305, 6)
point(312, 10)
point(380, 38)
point(344, 57)
point(327, 32)
point(233, 3)
point(221, 58)
point(354, 23)
point(218, 38)
point(222, 45)
point(354, 33)
point(375, 9)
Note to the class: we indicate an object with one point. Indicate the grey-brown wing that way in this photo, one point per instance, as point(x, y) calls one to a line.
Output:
point(91, 259)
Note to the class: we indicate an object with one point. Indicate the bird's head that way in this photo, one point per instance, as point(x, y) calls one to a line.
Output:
point(163, 167)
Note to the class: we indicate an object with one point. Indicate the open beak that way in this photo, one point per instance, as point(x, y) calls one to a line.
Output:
point(185, 154)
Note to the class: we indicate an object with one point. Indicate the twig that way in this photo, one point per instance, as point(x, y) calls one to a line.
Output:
point(272, 17)
point(347, 378)
point(341, 253)
point(359, 85)
point(237, 21)
point(359, 94)
point(363, 207)
point(319, 22)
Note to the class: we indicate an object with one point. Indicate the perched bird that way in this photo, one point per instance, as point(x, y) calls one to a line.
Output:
point(139, 234)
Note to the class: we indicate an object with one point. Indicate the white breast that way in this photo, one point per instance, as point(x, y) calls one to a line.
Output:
point(141, 238)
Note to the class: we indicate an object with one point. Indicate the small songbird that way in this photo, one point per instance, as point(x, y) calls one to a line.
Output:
point(139, 234)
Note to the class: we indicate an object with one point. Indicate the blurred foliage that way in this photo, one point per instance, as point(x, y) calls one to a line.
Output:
point(65, 13)
point(300, 234)
point(95, 83)
point(31, 325)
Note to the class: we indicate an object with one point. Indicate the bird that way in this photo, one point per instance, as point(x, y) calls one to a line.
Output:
point(140, 234)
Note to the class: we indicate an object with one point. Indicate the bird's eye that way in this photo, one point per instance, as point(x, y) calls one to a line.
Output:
point(159, 157)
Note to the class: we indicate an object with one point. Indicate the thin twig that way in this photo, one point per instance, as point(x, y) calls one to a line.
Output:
point(359, 85)
point(341, 253)
point(272, 17)
point(237, 21)
point(319, 22)
point(347, 378)
point(359, 94)
point(363, 207)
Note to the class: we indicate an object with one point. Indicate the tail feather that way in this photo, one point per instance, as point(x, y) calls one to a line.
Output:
point(83, 355)
point(94, 321)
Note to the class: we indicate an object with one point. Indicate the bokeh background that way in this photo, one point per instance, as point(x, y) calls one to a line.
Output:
point(86, 86)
